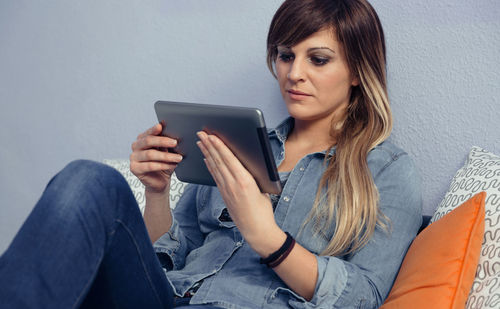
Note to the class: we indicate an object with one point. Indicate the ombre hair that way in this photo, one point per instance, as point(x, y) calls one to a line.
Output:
point(347, 194)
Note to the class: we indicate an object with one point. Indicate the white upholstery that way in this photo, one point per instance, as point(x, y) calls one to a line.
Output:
point(123, 166)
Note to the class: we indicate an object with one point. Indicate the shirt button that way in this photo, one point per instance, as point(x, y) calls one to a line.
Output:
point(301, 169)
point(286, 199)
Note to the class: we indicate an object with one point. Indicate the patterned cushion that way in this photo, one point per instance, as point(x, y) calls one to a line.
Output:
point(123, 166)
point(481, 172)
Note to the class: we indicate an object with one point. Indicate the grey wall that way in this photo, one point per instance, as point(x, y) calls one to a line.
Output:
point(78, 80)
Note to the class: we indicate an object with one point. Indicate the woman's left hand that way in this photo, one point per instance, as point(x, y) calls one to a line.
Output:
point(250, 209)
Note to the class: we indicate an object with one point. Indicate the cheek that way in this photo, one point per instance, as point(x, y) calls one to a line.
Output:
point(281, 72)
point(335, 84)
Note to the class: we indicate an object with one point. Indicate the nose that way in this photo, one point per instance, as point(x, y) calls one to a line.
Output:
point(296, 72)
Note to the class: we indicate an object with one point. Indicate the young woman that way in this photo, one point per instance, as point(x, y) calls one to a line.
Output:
point(334, 238)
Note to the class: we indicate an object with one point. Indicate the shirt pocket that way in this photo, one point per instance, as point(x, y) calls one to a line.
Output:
point(225, 216)
point(224, 219)
point(213, 213)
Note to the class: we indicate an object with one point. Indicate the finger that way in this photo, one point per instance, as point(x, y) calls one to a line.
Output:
point(141, 168)
point(211, 165)
point(155, 155)
point(152, 141)
point(219, 180)
point(225, 154)
point(214, 156)
point(210, 151)
point(154, 130)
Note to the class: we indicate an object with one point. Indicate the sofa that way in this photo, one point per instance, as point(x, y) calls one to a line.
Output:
point(454, 262)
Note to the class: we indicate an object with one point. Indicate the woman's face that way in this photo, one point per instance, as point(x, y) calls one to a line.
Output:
point(314, 79)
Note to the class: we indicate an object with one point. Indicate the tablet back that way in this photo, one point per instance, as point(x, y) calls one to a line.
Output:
point(242, 129)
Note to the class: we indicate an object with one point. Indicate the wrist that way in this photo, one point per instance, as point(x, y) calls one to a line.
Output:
point(277, 257)
point(155, 195)
point(269, 242)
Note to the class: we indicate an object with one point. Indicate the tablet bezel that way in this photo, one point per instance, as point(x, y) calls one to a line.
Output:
point(242, 129)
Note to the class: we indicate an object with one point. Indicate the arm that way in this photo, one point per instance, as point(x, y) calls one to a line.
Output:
point(154, 165)
point(184, 232)
point(299, 270)
point(252, 212)
point(157, 215)
point(363, 279)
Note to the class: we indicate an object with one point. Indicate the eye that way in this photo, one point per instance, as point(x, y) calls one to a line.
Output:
point(285, 57)
point(319, 61)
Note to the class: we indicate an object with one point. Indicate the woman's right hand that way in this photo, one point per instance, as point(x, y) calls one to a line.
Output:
point(151, 161)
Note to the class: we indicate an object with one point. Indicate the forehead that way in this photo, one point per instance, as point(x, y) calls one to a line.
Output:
point(322, 38)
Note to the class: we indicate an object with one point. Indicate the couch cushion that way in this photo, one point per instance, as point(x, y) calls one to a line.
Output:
point(439, 268)
point(481, 172)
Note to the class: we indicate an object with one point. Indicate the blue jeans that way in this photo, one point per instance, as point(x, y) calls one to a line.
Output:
point(84, 245)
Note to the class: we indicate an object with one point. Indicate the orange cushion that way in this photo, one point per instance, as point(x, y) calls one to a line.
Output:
point(439, 268)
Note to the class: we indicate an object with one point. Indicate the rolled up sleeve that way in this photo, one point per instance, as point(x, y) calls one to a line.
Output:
point(174, 245)
point(364, 279)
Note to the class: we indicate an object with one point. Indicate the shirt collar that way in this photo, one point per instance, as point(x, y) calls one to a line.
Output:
point(283, 129)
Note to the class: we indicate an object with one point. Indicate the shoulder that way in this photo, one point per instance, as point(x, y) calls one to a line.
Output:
point(396, 178)
point(389, 158)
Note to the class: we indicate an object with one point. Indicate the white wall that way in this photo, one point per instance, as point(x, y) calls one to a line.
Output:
point(78, 80)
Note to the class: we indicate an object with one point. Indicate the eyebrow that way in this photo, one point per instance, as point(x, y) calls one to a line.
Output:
point(316, 48)
point(310, 49)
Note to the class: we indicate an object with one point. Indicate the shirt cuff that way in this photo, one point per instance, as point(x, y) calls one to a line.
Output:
point(332, 280)
point(168, 245)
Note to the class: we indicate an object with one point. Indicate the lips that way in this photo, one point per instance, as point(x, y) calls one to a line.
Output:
point(298, 96)
point(297, 92)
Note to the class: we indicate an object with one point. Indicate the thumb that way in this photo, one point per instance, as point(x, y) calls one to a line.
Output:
point(156, 129)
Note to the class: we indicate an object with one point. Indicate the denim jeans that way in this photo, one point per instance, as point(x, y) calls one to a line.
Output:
point(84, 245)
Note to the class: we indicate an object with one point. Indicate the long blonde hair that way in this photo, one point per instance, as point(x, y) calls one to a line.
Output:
point(347, 193)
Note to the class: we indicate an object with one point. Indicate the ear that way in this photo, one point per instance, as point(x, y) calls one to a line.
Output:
point(355, 81)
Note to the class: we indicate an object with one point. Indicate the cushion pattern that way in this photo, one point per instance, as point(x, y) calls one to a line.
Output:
point(481, 172)
point(123, 166)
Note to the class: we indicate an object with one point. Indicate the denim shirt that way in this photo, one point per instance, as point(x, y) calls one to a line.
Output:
point(201, 246)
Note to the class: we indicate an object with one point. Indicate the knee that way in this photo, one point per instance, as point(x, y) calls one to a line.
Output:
point(88, 184)
point(89, 165)
point(85, 194)
point(84, 174)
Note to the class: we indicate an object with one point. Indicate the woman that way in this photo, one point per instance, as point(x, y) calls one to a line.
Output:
point(335, 237)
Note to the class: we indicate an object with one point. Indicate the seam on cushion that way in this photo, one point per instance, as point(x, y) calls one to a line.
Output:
point(468, 248)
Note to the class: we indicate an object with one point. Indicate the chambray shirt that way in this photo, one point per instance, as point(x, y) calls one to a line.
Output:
point(202, 247)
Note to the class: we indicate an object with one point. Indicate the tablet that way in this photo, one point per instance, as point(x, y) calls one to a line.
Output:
point(242, 129)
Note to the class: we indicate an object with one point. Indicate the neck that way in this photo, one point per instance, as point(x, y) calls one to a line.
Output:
point(313, 134)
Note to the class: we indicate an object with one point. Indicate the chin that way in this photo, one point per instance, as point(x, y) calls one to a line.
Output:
point(300, 110)
point(301, 115)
